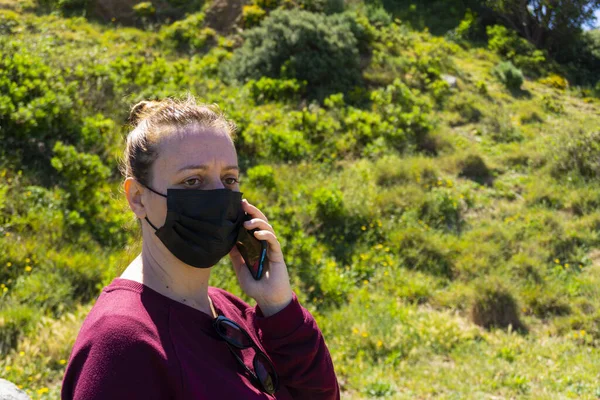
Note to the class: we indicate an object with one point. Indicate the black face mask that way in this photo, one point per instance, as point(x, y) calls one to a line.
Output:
point(201, 226)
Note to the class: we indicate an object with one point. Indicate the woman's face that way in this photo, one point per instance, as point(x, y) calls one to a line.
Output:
point(196, 158)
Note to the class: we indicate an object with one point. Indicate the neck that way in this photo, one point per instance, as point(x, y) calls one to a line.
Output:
point(171, 278)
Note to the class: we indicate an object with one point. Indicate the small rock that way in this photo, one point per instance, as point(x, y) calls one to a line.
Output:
point(451, 80)
point(9, 391)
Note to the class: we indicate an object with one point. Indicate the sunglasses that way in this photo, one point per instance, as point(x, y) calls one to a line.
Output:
point(234, 335)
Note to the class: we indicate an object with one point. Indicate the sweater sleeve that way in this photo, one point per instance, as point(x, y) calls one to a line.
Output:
point(116, 358)
point(296, 346)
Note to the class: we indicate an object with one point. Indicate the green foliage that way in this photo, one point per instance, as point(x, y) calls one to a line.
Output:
point(9, 21)
point(252, 15)
point(144, 9)
point(475, 168)
point(262, 176)
point(189, 34)
point(321, 50)
point(509, 75)
point(321, 6)
point(560, 22)
point(579, 153)
point(522, 53)
point(493, 306)
point(36, 105)
point(388, 241)
point(268, 89)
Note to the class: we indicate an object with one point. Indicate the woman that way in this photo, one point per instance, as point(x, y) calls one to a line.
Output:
point(159, 331)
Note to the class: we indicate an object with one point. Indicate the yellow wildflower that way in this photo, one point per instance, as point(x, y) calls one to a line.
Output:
point(364, 228)
point(8, 264)
point(8, 368)
point(27, 260)
point(7, 234)
point(355, 331)
point(365, 334)
point(21, 353)
point(62, 362)
point(567, 265)
point(365, 281)
point(28, 268)
point(582, 332)
point(42, 390)
point(379, 343)
point(556, 260)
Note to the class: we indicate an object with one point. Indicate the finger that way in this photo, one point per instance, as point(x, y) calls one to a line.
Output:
point(253, 211)
point(270, 238)
point(258, 223)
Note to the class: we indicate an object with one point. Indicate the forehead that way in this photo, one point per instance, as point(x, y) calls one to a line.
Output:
point(194, 145)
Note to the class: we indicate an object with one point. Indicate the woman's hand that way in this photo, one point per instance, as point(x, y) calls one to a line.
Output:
point(273, 291)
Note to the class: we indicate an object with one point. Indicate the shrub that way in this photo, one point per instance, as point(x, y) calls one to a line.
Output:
point(466, 109)
point(14, 322)
point(507, 73)
point(521, 52)
point(328, 205)
point(37, 106)
point(321, 50)
point(144, 9)
point(493, 306)
point(252, 15)
point(422, 252)
point(577, 152)
point(441, 209)
point(9, 20)
point(269, 89)
point(473, 167)
point(556, 81)
point(189, 34)
point(262, 176)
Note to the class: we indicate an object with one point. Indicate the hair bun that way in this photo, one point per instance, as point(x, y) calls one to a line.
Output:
point(138, 110)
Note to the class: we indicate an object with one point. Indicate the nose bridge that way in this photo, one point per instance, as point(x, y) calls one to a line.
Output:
point(214, 182)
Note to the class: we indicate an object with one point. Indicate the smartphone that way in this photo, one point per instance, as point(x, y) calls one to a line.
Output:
point(253, 251)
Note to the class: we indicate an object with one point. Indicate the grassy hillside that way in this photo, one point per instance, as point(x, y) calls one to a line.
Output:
point(439, 217)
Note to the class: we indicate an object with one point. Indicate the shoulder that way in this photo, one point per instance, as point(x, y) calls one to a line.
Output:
point(120, 320)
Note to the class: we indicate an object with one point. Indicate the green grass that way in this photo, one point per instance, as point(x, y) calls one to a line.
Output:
point(395, 239)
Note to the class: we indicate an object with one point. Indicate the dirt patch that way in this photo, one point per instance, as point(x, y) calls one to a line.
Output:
point(224, 15)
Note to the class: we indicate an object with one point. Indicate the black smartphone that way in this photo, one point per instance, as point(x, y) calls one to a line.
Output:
point(253, 251)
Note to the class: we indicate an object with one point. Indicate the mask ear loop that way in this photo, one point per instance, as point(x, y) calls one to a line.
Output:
point(160, 194)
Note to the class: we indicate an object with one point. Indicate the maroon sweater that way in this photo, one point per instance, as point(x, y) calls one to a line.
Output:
point(139, 344)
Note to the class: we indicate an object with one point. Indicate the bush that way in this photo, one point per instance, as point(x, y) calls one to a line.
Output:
point(9, 20)
point(262, 176)
point(252, 15)
point(493, 306)
point(555, 81)
point(321, 50)
point(507, 73)
point(268, 89)
point(328, 205)
point(473, 167)
point(37, 106)
point(189, 34)
point(466, 109)
point(422, 252)
point(577, 152)
point(521, 52)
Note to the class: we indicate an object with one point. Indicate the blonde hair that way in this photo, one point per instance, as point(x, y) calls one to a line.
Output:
point(155, 119)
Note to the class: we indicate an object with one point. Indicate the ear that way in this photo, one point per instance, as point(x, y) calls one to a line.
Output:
point(133, 191)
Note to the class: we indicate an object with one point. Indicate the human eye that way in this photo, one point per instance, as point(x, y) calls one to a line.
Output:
point(230, 180)
point(192, 182)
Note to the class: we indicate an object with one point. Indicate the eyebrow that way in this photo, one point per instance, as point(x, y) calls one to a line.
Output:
point(205, 167)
